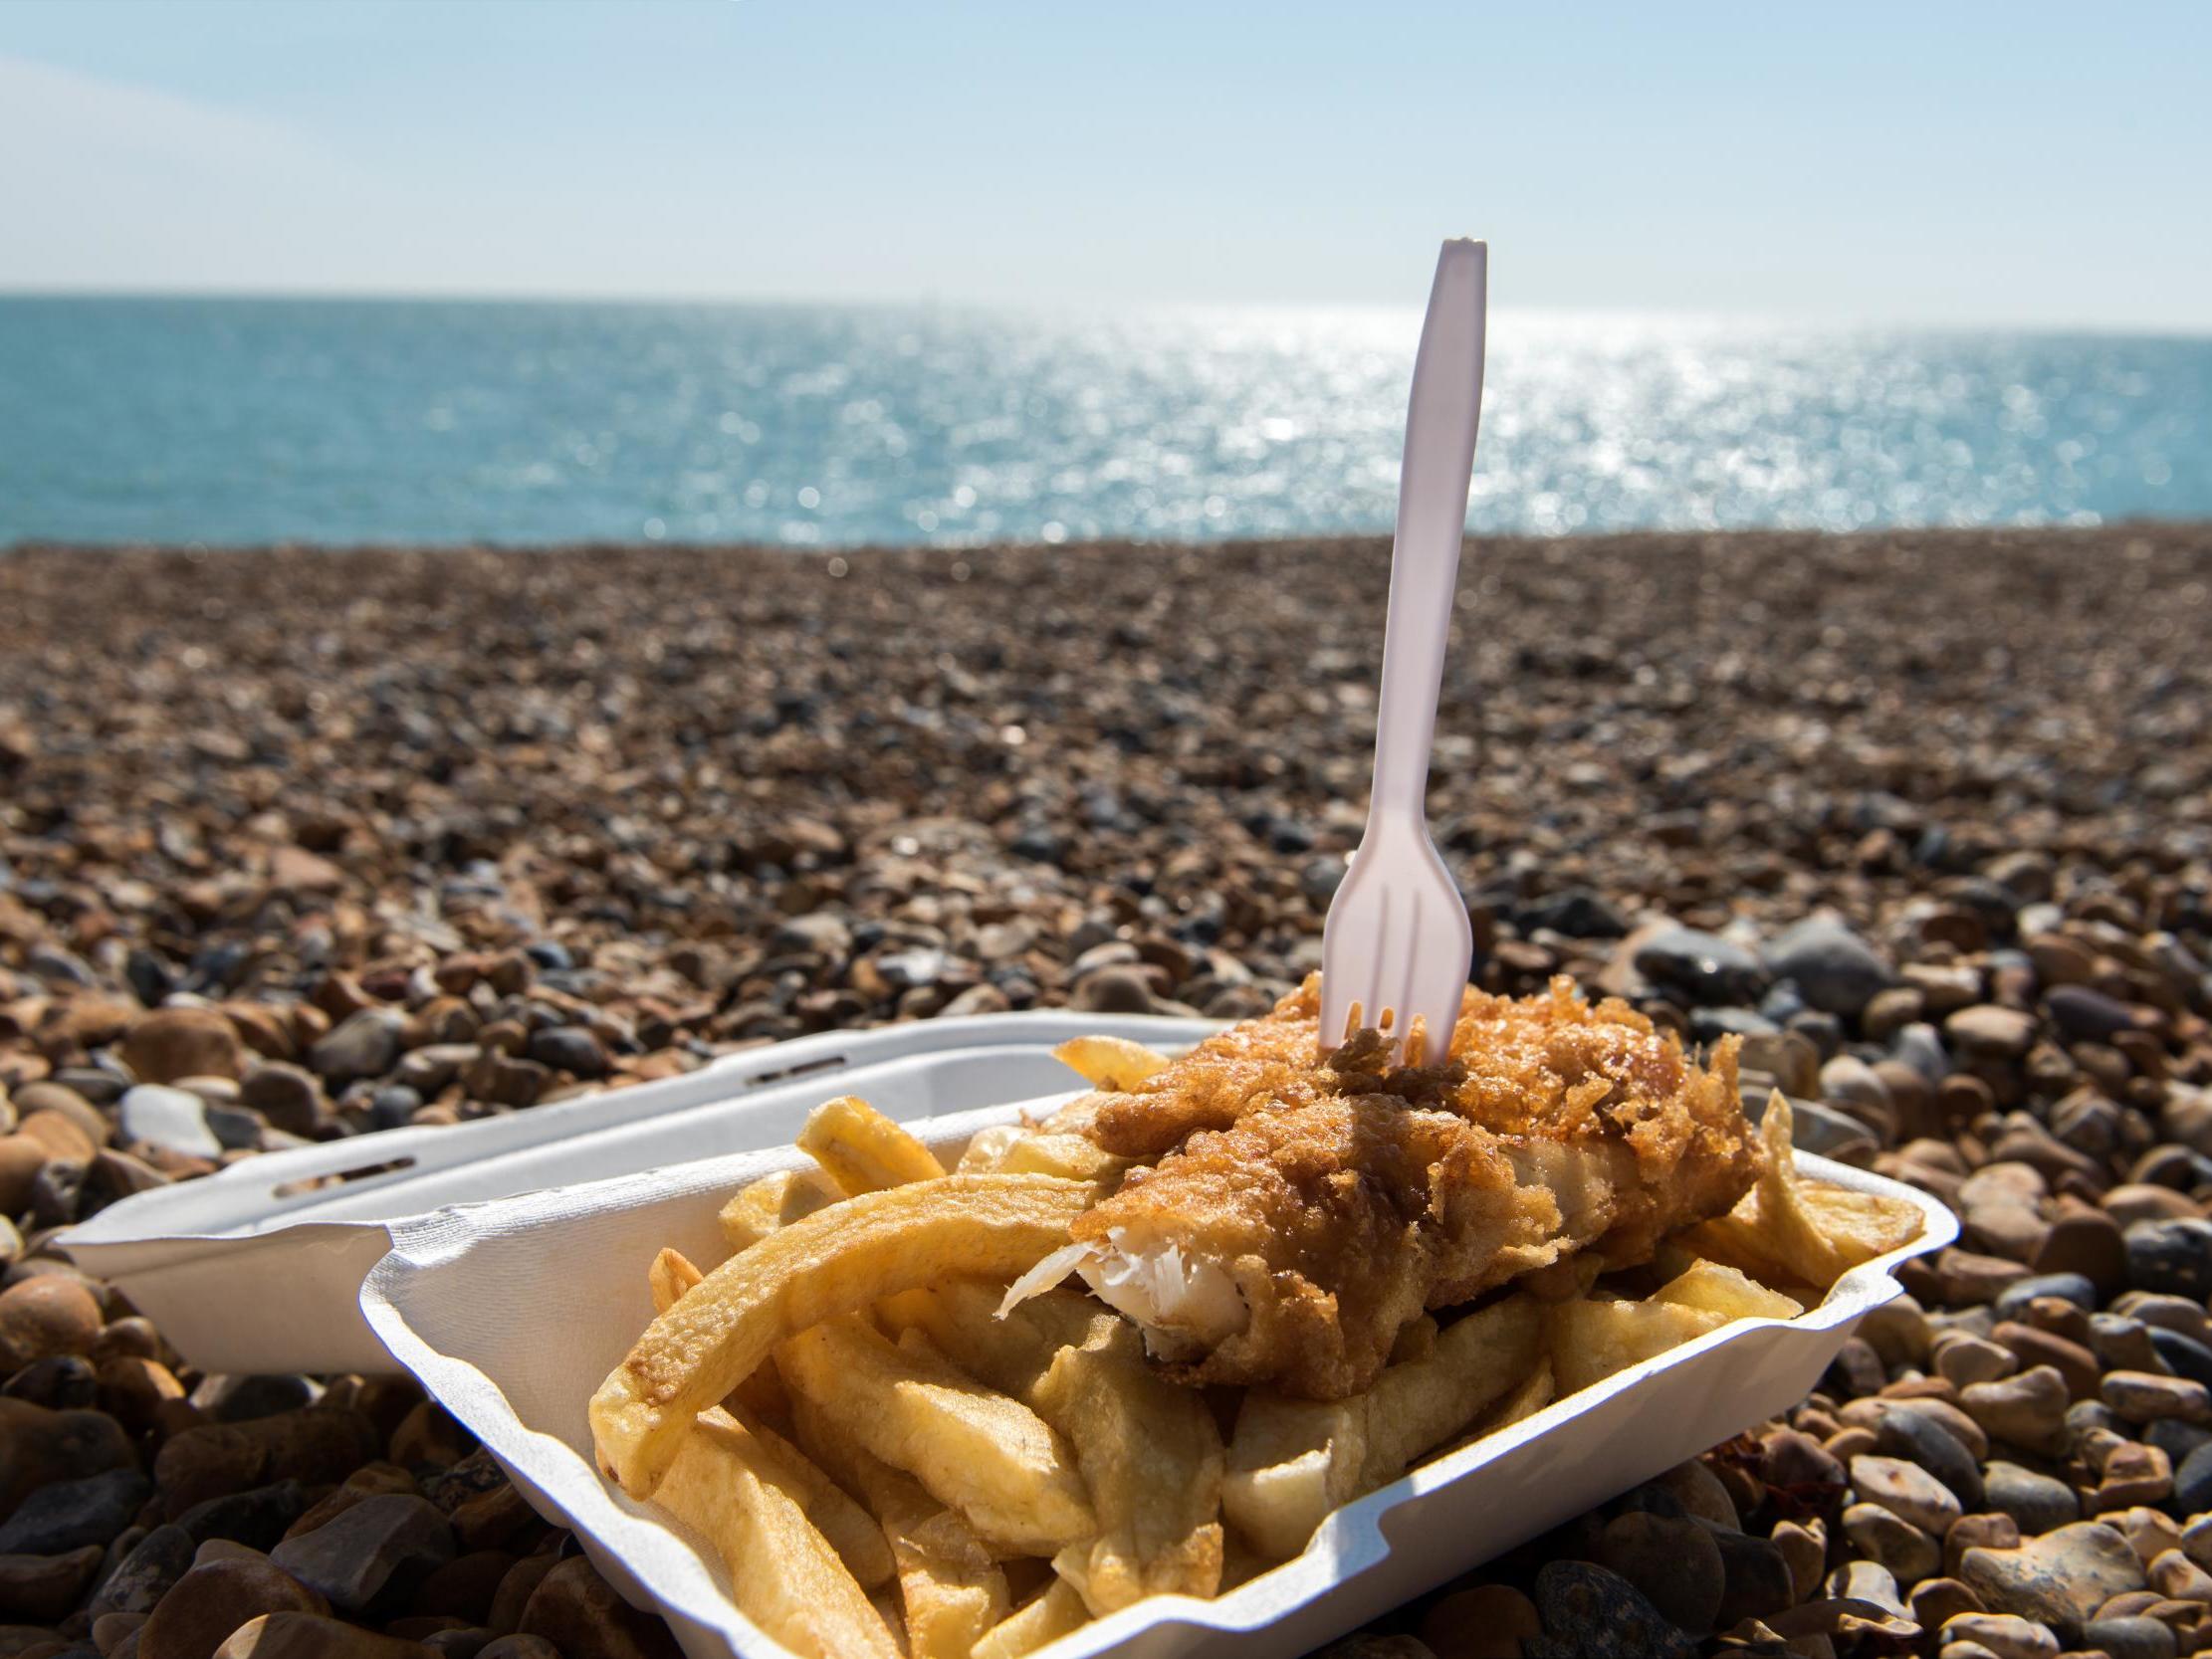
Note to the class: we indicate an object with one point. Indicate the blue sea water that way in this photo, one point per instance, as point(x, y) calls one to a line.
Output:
point(255, 421)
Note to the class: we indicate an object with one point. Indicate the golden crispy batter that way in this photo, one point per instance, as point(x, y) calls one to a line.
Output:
point(1344, 1198)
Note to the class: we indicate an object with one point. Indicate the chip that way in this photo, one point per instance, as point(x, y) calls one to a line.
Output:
point(1112, 1063)
point(1725, 1289)
point(984, 1454)
point(836, 1261)
point(1291, 1461)
point(988, 1147)
point(770, 1205)
point(951, 1589)
point(1054, 1612)
point(1149, 1450)
point(1592, 1340)
point(862, 1150)
point(784, 1575)
point(1801, 1230)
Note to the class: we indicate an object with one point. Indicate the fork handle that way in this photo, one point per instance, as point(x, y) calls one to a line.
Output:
point(1431, 522)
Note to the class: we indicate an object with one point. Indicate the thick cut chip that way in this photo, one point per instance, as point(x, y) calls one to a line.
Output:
point(1149, 1450)
point(1424, 1402)
point(1112, 1063)
point(1070, 1157)
point(837, 1261)
point(1537, 1391)
point(1020, 1150)
point(978, 1451)
point(783, 1574)
point(1055, 1611)
point(951, 1589)
point(768, 1204)
point(986, 1149)
point(851, 1531)
point(1809, 1230)
point(1590, 1341)
point(669, 1277)
point(862, 1150)
point(759, 1395)
point(1725, 1289)
point(1417, 1341)
point(1292, 1461)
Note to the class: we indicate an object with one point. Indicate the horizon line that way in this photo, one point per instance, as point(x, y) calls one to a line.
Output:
point(1929, 323)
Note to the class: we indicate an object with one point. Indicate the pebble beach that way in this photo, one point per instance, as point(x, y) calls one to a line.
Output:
point(300, 844)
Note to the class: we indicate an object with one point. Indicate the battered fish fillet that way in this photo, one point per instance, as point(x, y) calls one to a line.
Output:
point(1301, 1212)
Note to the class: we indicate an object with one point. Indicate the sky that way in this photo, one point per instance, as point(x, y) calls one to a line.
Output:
point(1952, 164)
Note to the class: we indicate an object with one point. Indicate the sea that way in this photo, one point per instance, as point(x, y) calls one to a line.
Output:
point(227, 422)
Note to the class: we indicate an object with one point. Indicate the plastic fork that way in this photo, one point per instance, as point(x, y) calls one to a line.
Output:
point(1396, 946)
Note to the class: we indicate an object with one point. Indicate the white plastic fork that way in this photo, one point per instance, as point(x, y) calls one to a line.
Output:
point(1396, 946)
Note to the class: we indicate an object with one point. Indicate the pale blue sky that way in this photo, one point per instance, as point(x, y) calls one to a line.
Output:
point(1926, 162)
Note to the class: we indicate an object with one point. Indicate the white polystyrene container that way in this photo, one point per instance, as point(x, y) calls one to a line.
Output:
point(259, 1267)
point(512, 1311)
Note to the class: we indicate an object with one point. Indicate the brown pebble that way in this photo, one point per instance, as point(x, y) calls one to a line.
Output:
point(2144, 1397)
point(1701, 1494)
point(1793, 1459)
point(220, 1458)
point(492, 1519)
point(2087, 1242)
point(1883, 1537)
point(578, 1613)
point(173, 1043)
point(1906, 1491)
point(2027, 1410)
point(1935, 1599)
point(2128, 1204)
point(2186, 1618)
point(305, 1636)
point(1987, 1530)
point(1946, 1416)
point(1674, 1561)
point(132, 1337)
point(1849, 1443)
point(419, 1627)
point(36, 1589)
point(367, 1481)
point(2178, 1578)
point(39, 1446)
point(515, 1591)
point(21, 1159)
point(2150, 1532)
point(1804, 1547)
point(2031, 1346)
point(133, 1390)
point(465, 1586)
point(2007, 1635)
point(44, 1316)
point(60, 1135)
point(2133, 1475)
point(2061, 1319)
point(1965, 1360)
point(2059, 1578)
point(2129, 1603)
point(1486, 1622)
point(429, 1434)
point(204, 1606)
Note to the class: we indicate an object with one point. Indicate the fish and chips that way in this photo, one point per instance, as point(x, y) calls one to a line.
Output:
point(1150, 1345)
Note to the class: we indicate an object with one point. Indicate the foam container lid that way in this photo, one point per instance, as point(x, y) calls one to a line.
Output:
point(512, 1311)
point(258, 1267)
